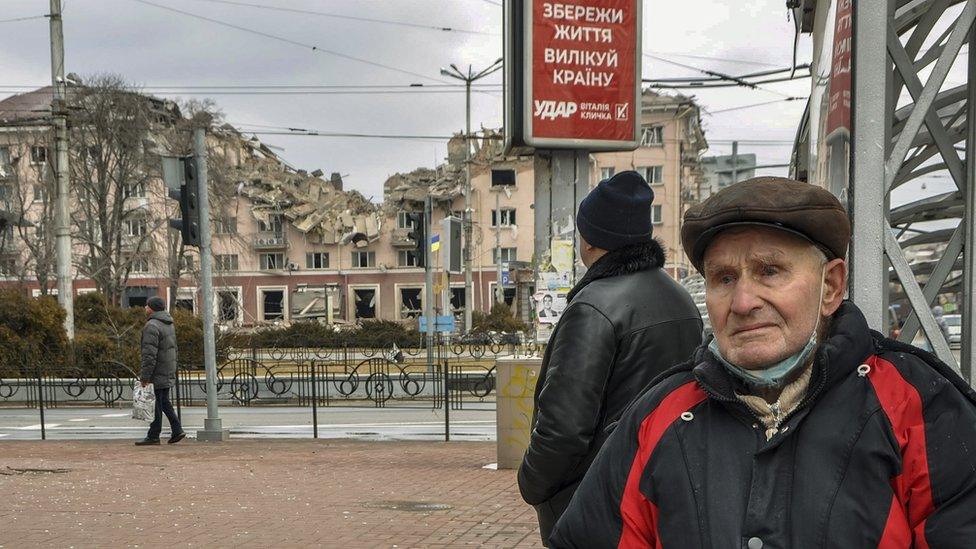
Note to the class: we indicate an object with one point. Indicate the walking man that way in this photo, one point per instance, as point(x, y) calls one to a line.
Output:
point(796, 425)
point(159, 368)
point(625, 323)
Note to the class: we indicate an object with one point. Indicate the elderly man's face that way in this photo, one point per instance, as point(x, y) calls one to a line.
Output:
point(762, 290)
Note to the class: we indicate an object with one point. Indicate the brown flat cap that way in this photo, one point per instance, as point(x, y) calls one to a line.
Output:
point(800, 208)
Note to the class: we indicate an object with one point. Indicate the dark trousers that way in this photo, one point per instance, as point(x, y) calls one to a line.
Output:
point(164, 406)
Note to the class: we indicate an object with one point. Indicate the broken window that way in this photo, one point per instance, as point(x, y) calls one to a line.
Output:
point(506, 215)
point(653, 174)
point(457, 300)
point(225, 225)
point(317, 260)
point(362, 260)
point(38, 154)
point(185, 299)
point(134, 190)
point(403, 220)
point(225, 262)
point(139, 265)
point(407, 258)
point(273, 225)
point(652, 135)
point(136, 226)
point(227, 306)
point(40, 193)
point(607, 173)
point(656, 216)
point(273, 304)
point(508, 255)
point(137, 296)
point(271, 262)
point(411, 304)
point(502, 177)
point(8, 266)
point(365, 299)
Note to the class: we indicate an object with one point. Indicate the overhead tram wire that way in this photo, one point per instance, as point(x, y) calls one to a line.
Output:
point(312, 47)
point(753, 105)
point(351, 17)
point(732, 80)
point(17, 19)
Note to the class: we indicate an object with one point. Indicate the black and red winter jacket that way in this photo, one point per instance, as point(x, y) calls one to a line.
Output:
point(881, 452)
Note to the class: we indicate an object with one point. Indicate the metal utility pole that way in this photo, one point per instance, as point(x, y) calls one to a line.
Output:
point(468, 79)
point(429, 286)
point(735, 162)
point(62, 213)
point(499, 291)
point(212, 430)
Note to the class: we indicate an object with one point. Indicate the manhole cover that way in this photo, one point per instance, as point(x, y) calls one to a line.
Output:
point(415, 506)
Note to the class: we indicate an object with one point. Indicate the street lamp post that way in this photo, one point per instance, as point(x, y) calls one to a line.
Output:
point(468, 78)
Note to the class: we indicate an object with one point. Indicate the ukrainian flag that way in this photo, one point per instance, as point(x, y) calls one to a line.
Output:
point(435, 242)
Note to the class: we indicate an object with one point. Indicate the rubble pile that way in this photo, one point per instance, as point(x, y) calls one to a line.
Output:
point(318, 208)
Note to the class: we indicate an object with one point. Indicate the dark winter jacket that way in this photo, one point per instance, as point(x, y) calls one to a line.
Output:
point(159, 351)
point(627, 321)
point(881, 452)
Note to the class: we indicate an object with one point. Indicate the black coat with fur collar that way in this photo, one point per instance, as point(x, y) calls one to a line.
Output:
point(627, 321)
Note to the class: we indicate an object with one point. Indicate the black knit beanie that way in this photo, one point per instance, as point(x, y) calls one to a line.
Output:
point(617, 212)
point(156, 303)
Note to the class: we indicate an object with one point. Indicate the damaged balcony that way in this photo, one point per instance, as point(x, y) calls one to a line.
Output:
point(270, 240)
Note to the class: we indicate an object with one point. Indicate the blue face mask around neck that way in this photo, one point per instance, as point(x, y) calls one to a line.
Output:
point(776, 374)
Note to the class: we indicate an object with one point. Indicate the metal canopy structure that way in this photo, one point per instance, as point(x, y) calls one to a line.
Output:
point(911, 124)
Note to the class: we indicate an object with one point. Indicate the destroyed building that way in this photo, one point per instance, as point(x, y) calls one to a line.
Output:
point(295, 245)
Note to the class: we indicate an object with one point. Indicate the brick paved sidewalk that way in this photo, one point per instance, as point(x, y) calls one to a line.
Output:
point(259, 494)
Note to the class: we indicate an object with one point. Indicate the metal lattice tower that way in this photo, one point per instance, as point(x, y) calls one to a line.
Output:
point(911, 123)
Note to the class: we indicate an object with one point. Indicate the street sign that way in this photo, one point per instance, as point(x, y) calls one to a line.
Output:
point(443, 323)
point(506, 276)
point(574, 74)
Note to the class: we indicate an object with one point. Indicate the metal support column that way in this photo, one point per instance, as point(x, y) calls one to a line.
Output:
point(968, 339)
point(867, 282)
point(62, 176)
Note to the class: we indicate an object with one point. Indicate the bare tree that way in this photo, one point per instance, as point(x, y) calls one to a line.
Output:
point(31, 198)
point(114, 170)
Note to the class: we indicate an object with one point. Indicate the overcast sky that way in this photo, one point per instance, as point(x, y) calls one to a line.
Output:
point(151, 46)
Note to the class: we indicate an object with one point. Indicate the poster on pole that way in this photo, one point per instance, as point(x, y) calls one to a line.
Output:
point(573, 74)
point(839, 100)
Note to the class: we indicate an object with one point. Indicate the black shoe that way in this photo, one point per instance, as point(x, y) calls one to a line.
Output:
point(176, 437)
point(148, 442)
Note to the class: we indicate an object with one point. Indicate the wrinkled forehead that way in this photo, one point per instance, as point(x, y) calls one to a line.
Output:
point(757, 243)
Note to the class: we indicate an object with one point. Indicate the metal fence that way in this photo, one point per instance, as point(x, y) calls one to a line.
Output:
point(453, 377)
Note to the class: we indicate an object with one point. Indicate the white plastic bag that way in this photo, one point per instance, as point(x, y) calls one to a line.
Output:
point(143, 402)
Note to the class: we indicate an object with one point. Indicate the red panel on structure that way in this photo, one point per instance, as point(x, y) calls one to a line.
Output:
point(583, 69)
point(839, 107)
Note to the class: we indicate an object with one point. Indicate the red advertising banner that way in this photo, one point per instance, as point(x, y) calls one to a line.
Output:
point(839, 103)
point(583, 73)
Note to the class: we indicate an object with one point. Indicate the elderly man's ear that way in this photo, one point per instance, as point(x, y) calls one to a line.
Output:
point(835, 286)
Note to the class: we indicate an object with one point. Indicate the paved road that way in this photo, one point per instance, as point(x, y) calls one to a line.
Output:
point(473, 424)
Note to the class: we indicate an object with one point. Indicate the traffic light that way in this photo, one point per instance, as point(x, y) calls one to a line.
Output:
point(182, 179)
point(451, 244)
point(418, 233)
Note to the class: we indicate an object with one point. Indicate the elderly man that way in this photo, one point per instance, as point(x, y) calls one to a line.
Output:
point(796, 425)
point(626, 322)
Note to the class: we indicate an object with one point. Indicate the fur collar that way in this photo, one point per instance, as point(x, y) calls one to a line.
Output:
point(626, 260)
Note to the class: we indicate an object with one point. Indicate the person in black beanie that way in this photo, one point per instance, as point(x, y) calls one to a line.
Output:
point(159, 368)
point(626, 322)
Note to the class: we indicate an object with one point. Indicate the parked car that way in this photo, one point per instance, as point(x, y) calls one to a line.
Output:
point(954, 323)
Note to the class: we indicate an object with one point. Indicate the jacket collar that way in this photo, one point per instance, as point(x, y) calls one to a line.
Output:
point(162, 316)
point(847, 345)
point(626, 260)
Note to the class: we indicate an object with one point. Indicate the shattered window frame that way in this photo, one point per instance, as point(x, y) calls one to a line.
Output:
point(652, 136)
point(228, 300)
point(497, 179)
point(139, 264)
point(225, 225)
point(411, 306)
point(654, 175)
point(275, 224)
point(272, 261)
point(136, 226)
point(457, 299)
point(226, 262)
point(403, 220)
point(357, 300)
point(357, 257)
point(134, 190)
point(277, 312)
point(606, 172)
point(38, 154)
point(407, 258)
point(316, 260)
point(507, 217)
